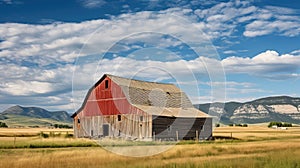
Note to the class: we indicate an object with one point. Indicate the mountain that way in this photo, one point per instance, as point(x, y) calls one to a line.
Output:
point(33, 116)
point(279, 108)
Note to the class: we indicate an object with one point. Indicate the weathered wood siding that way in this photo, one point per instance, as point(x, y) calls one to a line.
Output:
point(130, 126)
point(168, 128)
point(103, 107)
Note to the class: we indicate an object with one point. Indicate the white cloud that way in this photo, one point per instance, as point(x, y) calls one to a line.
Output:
point(61, 41)
point(264, 64)
point(52, 48)
point(93, 3)
point(10, 2)
point(57, 82)
point(22, 88)
point(224, 17)
point(281, 10)
point(295, 52)
point(272, 19)
point(229, 52)
point(229, 84)
point(286, 28)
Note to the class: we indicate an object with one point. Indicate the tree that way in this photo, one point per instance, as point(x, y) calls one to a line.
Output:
point(279, 124)
point(3, 125)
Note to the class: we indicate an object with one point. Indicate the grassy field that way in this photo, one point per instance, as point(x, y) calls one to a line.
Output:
point(257, 146)
point(24, 121)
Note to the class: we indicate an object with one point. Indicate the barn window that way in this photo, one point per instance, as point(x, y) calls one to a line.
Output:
point(106, 84)
point(119, 117)
point(141, 118)
point(78, 120)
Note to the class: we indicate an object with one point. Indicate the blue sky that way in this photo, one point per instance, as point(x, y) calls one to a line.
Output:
point(52, 52)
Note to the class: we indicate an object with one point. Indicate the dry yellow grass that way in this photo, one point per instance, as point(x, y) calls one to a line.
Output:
point(196, 154)
point(29, 131)
point(282, 151)
point(257, 132)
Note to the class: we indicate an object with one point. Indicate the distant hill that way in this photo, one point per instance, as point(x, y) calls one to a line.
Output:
point(18, 116)
point(279, 108)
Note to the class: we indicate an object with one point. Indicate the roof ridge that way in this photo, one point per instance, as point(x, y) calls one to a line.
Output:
point(138, 80)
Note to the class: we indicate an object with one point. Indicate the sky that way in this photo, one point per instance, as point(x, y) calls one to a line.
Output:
point(52, 52)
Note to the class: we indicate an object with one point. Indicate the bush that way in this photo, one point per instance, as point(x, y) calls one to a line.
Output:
point(279, 124)
point(43, 135)
point(3, 125)
point(287, 125)
point(217, 125)
point(238, 125)
point(245, 125)
point(62, 126)
point(230, 125)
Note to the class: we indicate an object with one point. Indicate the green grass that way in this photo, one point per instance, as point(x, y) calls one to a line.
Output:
point(23, 121)
point(55, 138)
point(45, 143)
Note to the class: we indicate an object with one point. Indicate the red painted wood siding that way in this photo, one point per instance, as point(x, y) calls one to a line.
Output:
point(108, 101)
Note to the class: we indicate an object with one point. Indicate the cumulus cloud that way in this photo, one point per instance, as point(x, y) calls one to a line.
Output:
point(38, 59)
point(62, 41)
point(268, 63)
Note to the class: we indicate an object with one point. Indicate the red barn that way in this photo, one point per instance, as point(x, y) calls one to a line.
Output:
point(134, 109)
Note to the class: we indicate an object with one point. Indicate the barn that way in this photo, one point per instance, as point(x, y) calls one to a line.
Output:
point(139, 110)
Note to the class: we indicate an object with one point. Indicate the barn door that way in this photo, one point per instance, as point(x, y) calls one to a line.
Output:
point(105, 129)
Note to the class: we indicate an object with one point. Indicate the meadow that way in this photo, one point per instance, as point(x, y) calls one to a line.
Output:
point(254, 146)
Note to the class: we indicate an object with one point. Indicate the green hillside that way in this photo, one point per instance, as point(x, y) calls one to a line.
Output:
point(18, 116)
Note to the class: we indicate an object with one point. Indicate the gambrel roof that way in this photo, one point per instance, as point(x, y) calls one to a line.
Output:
point(154, 98)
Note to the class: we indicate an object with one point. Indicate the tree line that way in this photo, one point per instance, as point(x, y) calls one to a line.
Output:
point(279, 124)
point(62, 126)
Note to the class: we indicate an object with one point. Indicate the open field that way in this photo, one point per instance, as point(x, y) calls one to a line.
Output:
point(24, 121)
point(258, 147)
point(257, 132)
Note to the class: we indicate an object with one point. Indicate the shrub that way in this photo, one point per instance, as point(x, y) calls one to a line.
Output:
point(231, 125)
point(43, 135)
point(217, 125)
point(279, 124)
point(287, 125)
point(245, 125)
point(3, 125)
point(62, 126)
